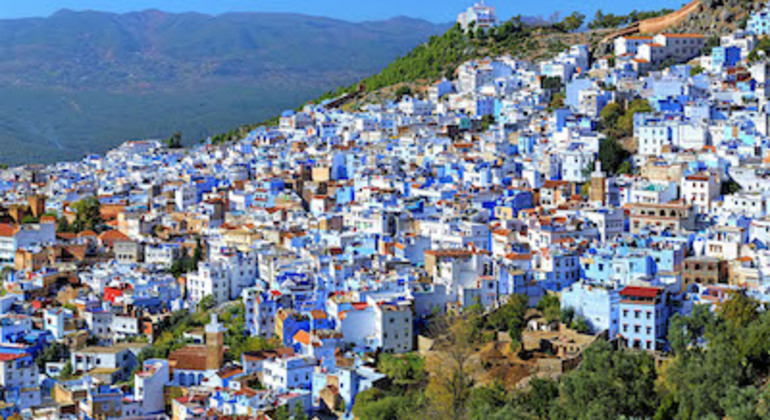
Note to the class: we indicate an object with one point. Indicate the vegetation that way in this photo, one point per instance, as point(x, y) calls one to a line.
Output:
point(612, 155)
point(510, 317)
point(696, 70)
point(487, 121)
point(403, 91)
point(573, 22)
point(550, 306)
point(617, 123)
point(66, 372)
point(27, 219)
point(441, 55)
point(718, 367)
point(87, 215)
point(55, 352)
point(729, 187)
point(175, 141)
point(186, 263)
point(760, 51)
point(608, 21)
point(236, 334)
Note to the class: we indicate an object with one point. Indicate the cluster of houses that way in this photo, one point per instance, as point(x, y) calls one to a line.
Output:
point(339, 233)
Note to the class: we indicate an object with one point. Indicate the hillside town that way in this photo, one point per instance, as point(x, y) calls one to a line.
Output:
point(266, 276)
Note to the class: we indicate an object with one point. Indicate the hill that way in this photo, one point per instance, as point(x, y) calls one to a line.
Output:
point(79, 82)
point(532, 39)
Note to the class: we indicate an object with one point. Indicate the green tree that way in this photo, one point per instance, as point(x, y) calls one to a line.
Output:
point(175, 141)
point(729, 187)
point(52, 353)
point(760, 51)
point(299, 412)
point(375, 404)
point(696, 70)
point(405, 370)
point(206, 303)
point(511, 317)
point(88, 215)
point(550, 306)
point(625, 168)
point(580, 325)
point(552, 84)
point(610, 115)
point(402, 91)
point(29, 219)
point(739, 309)
point(609, 385)
point(66, 372)
point(557, 102)
point(626, 121)
point(573, 22)
point(612, 155)
point(281, 413)
point(486, 122)
point(62, 225)
point(567, 315)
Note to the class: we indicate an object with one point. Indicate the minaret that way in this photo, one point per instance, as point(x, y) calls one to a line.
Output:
point(598, 192)
point(215, 336)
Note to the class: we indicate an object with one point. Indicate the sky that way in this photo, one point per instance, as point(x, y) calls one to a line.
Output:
point(352, 10)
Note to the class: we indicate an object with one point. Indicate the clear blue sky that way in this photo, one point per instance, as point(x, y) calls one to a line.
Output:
point(355, 10)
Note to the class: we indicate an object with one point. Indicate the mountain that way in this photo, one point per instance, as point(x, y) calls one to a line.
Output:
point(79, 82)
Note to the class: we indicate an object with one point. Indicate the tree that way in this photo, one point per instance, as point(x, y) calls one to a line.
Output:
point(729, 187)
point(550, 306)
point(52, 353)
point(87, 214)
point(66, 372)
point(402, 91)
point(573, 22)
point(739, 309)
point(175, 141)
point(696, 70)
point(29, 219)
point(557, 102)
point(206, 303)
point(539, 399)
point(580, 325)
point(609, 385)
point(481, 34)
point(625, 124)
point(281, 413)
point(567, 314)
point(612, 155)
point(62, 225)
point(487, 121)
point(625, 168)
point(299, 412)
point(451, 371)
point(610, 115)
point(511, 317)
point(373, 404)
point(406, 370)
point(760, 51)
point(685, 331)
point(552, 84)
